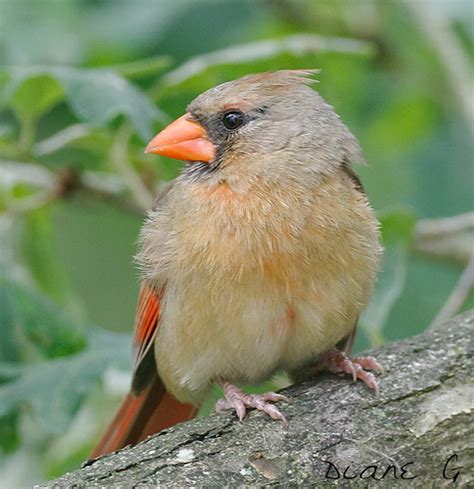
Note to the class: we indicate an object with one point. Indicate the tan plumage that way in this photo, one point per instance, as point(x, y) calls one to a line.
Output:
point(260, 256)
point(268, 261)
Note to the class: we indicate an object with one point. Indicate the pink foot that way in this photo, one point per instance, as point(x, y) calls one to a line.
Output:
point(338, 362)
point(237, 400)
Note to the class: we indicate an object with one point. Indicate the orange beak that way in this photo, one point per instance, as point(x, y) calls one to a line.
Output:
point(184, 139)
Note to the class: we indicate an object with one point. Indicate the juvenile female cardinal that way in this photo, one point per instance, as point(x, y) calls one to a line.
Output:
point(258, 257)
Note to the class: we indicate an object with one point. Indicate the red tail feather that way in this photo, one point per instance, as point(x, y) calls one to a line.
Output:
point(141, 416)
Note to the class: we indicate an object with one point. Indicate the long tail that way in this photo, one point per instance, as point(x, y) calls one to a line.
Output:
point(138, 417)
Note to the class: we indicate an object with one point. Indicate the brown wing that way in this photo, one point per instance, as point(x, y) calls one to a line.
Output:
point(146, 327)
point(149, 408)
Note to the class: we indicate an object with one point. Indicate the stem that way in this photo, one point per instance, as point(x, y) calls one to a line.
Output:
point(27, 133)
point(458, 296)
point(452, 56)
point(119, 158)
point(142, 67)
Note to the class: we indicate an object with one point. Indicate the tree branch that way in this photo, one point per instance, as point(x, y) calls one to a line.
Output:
point(297, 44)
point(438, 31)
point(420, 420)
point(448, 238)
point(105, 186)
point(458, 296)
point(142, 196)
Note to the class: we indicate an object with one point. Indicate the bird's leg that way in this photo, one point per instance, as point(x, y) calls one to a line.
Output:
point(237, 400)
point(337, 361)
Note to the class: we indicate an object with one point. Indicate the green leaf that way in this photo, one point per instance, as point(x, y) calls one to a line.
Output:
point(9, 348)
point(32, 325)
point(404, 121)
point(76, 136)
point(397, 226)
point(9, 436)
point(40, 255)
point(99, 96)
point(56, 388)
point(35, 95)
point(95, 96)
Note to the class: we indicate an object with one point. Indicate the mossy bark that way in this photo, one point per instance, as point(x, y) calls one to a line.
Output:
point(417, 433)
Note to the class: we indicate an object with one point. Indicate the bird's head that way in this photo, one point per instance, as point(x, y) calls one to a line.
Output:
point(270, 124)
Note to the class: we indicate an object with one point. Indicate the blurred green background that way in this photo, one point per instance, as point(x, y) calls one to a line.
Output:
point(85, 83)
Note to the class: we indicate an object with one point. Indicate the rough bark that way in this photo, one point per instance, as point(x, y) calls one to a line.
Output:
point(421, 419)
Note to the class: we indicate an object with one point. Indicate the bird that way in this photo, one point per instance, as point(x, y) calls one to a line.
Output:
point(259, 257)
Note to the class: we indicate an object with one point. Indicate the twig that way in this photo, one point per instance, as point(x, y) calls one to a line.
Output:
point(451, 54)
point(447, 238)
point(435, 228)
point(142, 67)
point(142, 196)
point(18, 172)
point(62, 184)
point(105, 186)
point(27, 132)
point(31, 203)
point(109, 188)
point(299, 44)
point(458, 296)
point(61, 139)
point(455, 248)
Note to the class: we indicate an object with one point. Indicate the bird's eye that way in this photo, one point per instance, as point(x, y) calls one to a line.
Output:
point(233, 120)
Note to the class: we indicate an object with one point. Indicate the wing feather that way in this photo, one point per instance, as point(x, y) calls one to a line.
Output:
point(147, 320)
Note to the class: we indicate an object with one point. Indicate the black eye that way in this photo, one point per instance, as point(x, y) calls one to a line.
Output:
point(233, 120)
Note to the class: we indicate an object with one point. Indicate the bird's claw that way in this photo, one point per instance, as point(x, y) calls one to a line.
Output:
point(369, 363)
point(237, 400)
point(338, 362)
